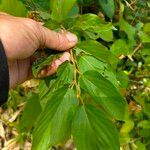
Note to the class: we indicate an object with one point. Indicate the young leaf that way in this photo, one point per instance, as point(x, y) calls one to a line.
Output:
point(54, 123)
point(95, 48)
point(30, 113)
point(92, 130)
point(104, 93)
point(108, 7)
point(61, 9)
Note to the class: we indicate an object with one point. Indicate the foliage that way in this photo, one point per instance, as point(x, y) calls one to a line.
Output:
point(85, 99)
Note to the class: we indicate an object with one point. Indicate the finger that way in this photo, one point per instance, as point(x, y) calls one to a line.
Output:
point(58, 41)
point(55, 64)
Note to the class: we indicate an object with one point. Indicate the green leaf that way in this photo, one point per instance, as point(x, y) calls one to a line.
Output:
point(92, 130)
point(52, 24)
point(37, 4)
point(87, 63)
point(146, 107)
point(43, 89)
point(106, 35)
point(13, 7)
point(54, 123)
point(95, 48)
point(144, 124)
point(108, 7)
point(140, 145)
point(146, 28)
point(92, 26)
point(129, 30)
point(64, 76)
point(119, 47)
point(61, 9)
point(144, 37)
point(30, 113)
point(104, 93)
point(123, 79)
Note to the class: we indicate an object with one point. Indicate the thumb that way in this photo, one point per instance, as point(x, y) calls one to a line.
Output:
point(58, 41)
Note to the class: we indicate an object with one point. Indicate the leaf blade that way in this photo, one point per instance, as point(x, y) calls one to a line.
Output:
point(91, 129)
point(54, 122)
point(104, 93)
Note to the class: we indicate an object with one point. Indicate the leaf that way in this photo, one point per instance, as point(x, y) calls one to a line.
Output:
point(43, 89)
point(119, 47)
point(108, 7)
point(65, 74)
point(106, 35)
point(63, 77)
point(123, 79)
point(92, 26)
point(14, 7)
point(146, 28)
point(144, 37)
point(37, 4)
point(87, 63)
point(61, 9)
point(129, 30)
point(144, 124)
point(30, 113)
point(54, 123)
point(94, 48)
point(140, 145)
point(92, 130)
point(104, 93)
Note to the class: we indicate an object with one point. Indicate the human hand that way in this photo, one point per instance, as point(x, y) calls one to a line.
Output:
point(21, 37)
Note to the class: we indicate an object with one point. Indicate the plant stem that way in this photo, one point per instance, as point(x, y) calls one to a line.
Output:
point(76, 72)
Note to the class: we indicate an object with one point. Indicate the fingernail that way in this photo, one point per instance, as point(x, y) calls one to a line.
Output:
point(71, 37)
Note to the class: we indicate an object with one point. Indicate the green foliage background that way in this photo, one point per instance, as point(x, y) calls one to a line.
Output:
point(86, 100)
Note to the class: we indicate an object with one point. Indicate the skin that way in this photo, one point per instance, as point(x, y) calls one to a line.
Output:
point(21, 37)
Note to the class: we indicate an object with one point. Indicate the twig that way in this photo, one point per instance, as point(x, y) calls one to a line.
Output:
point(134, 51)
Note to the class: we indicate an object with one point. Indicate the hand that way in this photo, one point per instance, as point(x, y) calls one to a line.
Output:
point(21, 37)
